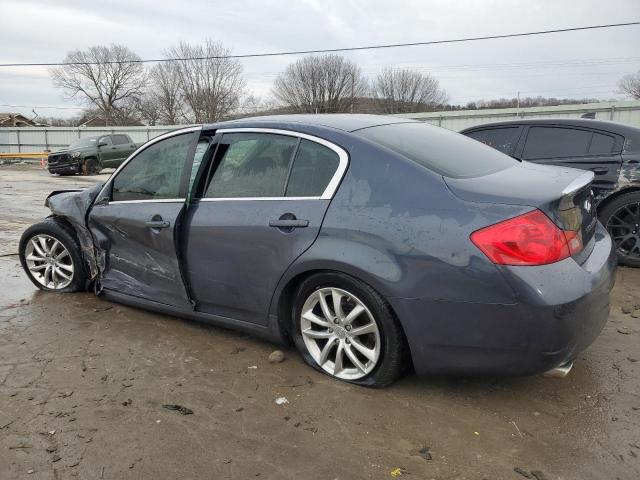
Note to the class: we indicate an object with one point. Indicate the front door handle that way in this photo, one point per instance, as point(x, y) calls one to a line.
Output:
point(158, 224)
point(286, 223)
point(599, 170)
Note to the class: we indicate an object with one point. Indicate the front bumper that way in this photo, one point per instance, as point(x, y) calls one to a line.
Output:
point(67, 168)
point(560, 310)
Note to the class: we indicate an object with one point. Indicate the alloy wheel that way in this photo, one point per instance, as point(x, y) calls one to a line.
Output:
point(624, 227)
point(49, 262)
point(340, 333)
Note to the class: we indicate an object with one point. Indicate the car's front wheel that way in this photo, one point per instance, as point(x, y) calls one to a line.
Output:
point(621, 217)
point(50, 256)
point(91, 167)
point(345, 329)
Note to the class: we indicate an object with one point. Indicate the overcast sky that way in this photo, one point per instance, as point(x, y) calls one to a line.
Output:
point(578, 64)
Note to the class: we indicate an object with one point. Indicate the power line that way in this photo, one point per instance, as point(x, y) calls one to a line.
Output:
point(333, 50)
point(40, 106)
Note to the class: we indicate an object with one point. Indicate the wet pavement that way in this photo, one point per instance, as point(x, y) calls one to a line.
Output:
point(83, 381)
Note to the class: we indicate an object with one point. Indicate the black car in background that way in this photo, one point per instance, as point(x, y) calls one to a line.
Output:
point(610, 150)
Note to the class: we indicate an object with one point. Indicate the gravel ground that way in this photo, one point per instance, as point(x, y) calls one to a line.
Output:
point(83, 383)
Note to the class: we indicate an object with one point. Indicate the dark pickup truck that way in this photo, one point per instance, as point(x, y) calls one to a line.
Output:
point(91, 154)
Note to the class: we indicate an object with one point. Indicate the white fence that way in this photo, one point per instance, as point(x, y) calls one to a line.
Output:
point(623, 112)
point(38, 139)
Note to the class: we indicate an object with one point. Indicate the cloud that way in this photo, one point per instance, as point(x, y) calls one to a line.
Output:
point(580, 64)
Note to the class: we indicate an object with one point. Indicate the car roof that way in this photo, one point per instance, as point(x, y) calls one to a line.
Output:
point(340, 121)
point(613, 127)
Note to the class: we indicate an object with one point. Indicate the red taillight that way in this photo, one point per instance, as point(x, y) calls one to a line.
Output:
point(529, 239)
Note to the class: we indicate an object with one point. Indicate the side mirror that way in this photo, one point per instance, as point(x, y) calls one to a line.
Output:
point(102, 144)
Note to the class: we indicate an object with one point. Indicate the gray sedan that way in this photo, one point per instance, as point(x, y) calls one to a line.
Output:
point(371, 243)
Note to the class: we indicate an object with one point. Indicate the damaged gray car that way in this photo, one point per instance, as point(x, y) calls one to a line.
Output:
point(370, 243)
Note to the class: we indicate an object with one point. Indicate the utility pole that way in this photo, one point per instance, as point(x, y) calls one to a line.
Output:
point(353, 87)
point(518, 108)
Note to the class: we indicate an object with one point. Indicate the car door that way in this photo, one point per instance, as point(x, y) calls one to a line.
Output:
point(134, 218)
point(107, 151)
point(261, 206)
point(121, 148)
point(582, 148)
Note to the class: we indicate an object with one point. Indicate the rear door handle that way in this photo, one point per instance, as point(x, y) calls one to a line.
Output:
point(289, 223)
point(158, 224)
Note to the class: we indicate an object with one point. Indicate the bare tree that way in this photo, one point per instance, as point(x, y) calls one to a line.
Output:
point(251, 105)
point(101, 77)
point(211, 83)
point(320, 84)
point(406, 90)
point(630, 85)
point(166, 87)
point(149, 108)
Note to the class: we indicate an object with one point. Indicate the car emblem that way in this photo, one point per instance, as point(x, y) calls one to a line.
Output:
point(587, 205)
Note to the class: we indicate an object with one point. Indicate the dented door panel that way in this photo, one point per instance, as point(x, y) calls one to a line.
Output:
point(135, 244)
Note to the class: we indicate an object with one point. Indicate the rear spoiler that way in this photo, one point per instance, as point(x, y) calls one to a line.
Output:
point(579, 182)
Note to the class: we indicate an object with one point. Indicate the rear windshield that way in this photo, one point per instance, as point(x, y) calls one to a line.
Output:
point(442, 151)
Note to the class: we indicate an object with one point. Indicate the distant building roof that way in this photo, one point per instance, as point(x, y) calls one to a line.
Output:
point(13, 119)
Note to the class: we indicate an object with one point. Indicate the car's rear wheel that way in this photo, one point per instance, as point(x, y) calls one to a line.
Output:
point(621, 217)
point(345, 329)
point(50, 256)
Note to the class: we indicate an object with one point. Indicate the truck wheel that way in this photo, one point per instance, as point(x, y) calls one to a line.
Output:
point(90, 167)
point(621, 217)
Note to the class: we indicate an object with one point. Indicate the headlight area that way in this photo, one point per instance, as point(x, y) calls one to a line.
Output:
point(75, 155)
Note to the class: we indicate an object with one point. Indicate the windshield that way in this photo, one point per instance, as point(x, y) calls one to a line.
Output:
point(85, 142)
point(440, 150)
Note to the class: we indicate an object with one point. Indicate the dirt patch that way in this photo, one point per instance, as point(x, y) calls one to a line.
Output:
point(84, 384)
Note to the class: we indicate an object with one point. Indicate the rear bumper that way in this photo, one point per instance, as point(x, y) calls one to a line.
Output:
point(68, 168)
point(561, 309)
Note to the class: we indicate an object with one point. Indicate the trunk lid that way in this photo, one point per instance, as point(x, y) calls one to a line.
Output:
point(564, 194)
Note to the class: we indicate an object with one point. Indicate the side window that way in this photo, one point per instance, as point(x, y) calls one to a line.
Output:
point(555, 142)
point(251, 165)
point(601, 144)
point(155, 173)
point(104, 140)
point(502, 139)
point(312, 170)
point(120, 139)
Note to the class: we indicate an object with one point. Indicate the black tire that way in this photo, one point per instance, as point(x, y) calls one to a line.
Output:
point(628, 252)
point(65, 235)
point(393, 356)
point(90, 166)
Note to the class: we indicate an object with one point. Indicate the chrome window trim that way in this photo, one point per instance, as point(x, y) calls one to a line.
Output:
point(331, 187)
point(139, 150)
point(154, 200)
point(229, 199)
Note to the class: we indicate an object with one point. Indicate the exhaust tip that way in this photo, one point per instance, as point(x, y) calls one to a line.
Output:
point(560, 371)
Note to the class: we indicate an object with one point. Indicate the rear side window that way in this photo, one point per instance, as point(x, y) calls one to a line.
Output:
point(601, 144)
point(312, 170)
point(120, 139)
point(251, 165)
point(442, 151)
point(503, 139)
point(555, 142)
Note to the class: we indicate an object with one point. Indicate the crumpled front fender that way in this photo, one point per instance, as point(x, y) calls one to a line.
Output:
point(73, 206)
